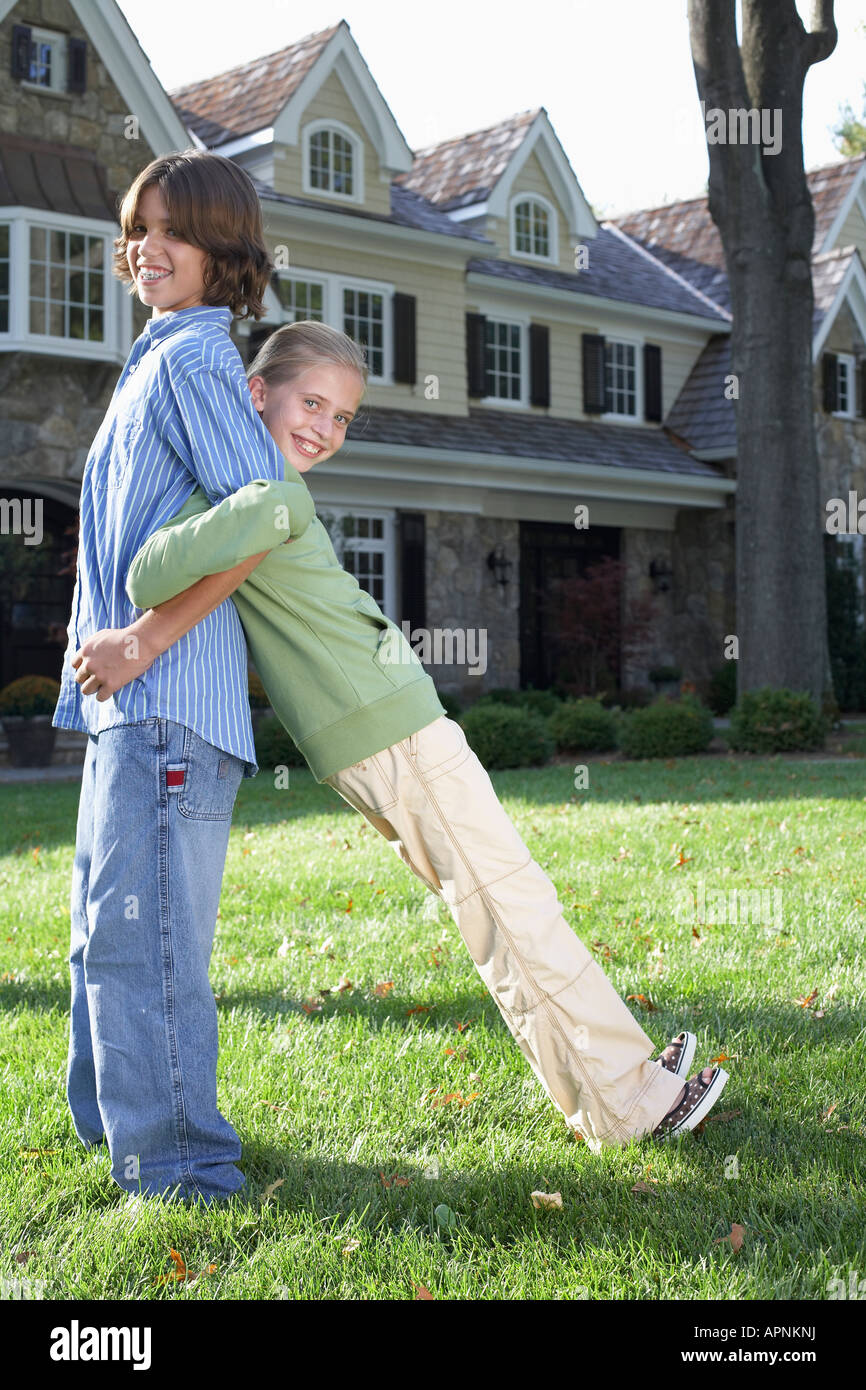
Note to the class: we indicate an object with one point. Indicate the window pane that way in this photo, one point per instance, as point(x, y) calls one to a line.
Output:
point(95, 330)
point(57, 242)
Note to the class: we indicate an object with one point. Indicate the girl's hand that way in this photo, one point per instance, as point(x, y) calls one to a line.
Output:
point(110, 659)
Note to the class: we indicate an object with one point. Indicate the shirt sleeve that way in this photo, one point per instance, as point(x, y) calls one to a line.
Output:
point(217, 432)
point(202, 539)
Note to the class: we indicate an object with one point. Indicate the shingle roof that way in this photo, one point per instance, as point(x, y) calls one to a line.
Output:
point(618, 268)
point(701, 415)
point(457, 172)
point(407, 210)
point(59, 177)
point(491, 431)
point(684, 237)
point(250, 96)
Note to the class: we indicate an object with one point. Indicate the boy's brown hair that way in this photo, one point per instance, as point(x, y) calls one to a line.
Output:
point(211, 203)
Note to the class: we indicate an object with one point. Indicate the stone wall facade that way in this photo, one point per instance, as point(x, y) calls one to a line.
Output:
point(462, 593)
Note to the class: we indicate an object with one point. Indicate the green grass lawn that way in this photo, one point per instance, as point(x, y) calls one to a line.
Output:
point(347, 1155)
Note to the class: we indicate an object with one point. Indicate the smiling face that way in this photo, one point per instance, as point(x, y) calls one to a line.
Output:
point(309, 415)
point(168, 272)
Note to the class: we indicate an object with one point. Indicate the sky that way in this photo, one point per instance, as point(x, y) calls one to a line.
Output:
point(615, 76)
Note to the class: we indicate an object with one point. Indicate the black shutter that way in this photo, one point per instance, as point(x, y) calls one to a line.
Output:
point(861, 390)
point(831, 392)
point(413, 592)
point(594, 402)
point(652, 382)
point(404, 338)
point(539, 364)
point(76, 70)
point(20, 51)
point(476, 366)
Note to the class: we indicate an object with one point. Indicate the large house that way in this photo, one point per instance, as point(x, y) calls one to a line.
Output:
point(545, 389)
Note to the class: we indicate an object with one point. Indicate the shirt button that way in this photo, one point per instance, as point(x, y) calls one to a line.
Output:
point(133, 367)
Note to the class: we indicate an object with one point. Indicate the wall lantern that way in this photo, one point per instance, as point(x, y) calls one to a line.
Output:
point(661, 575)
point(499, 563)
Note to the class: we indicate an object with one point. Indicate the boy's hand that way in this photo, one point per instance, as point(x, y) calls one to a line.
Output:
point(111, 658)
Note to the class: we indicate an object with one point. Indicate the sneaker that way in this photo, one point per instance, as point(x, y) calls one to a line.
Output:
point(700, 1095)
point(678, 1055)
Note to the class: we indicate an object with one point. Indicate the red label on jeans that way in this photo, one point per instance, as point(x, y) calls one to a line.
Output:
point(174, 779)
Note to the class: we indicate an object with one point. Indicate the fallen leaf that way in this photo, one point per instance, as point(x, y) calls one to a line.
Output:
point(384, 988)
point(735, 1236)
point(547, 1201)
point(828, 1113)
point(312, 1006)
point(180, 1271)
point(643, 1001)
point(808, 999)
point(642, 1187)
point(422, 1292)
point(722, 1057)
point(418, 1009)
point(271, 1189)
point(352, 1245)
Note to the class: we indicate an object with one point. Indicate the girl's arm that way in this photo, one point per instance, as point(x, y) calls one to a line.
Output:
point(185, 570)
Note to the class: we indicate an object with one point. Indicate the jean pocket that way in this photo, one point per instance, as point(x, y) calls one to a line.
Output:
point(210, 780)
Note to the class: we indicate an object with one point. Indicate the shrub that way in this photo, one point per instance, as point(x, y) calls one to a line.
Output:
point(258, 697)
point(542, 702)
point(453, 707)
point(583, 725)
point(666, 729)
point(776, 721)
point(29, 695)
point(634, 697)
point(275, 746)
point(722, 689)
point(506, 736)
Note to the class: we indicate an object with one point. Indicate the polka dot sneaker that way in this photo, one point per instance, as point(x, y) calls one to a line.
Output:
point(696, 1101)
point(678, 1055)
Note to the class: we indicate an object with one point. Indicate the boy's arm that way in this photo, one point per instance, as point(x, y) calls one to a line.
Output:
point(203, 540)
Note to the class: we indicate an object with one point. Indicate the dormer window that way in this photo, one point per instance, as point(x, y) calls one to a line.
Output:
point(533, 228)
point(333, 161)
point(45, 58)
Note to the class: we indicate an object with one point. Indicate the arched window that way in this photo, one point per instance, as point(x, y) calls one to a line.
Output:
point(533, 228)
point(333, 161)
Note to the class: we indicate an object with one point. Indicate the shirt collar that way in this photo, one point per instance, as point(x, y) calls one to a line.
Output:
point(221, 315)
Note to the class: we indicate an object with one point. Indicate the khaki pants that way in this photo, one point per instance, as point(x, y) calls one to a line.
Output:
point(431, 798)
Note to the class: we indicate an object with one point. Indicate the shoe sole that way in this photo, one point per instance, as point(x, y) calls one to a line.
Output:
point(703, 1107)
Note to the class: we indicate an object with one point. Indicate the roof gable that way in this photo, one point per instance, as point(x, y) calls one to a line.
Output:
point(477, 173)
point(130, 71)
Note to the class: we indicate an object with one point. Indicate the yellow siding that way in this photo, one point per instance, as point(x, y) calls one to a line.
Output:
point(331, 102)
point(440, 294)
point(566, 363)
point(531, 179)
point(853, 232)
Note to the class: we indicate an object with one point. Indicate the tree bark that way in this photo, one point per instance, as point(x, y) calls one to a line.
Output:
point(761, 204)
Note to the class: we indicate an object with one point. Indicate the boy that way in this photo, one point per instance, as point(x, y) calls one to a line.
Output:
point(166, 753)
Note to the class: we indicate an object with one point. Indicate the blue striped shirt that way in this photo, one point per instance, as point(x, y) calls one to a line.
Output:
point(181, 415)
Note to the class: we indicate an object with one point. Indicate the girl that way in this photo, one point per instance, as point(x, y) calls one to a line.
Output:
point(365, 714)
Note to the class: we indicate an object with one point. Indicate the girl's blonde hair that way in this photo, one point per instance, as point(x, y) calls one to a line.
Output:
point(293, 348)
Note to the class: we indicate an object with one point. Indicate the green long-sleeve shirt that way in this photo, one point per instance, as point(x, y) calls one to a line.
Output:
point(340, 675)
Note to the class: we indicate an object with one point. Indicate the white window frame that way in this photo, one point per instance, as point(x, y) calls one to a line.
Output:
point(617, 415)
point(332, 308)
point(521, 321)
point(357, 144)
point(59, 55)
point(117, 307)
point(847, 362)
point(552, 228)
point(387, 546)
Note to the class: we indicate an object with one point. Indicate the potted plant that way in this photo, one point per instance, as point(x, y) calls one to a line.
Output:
point(26, 707)
point(666, 679)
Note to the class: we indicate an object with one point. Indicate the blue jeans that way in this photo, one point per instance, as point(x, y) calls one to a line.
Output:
point(151, 840)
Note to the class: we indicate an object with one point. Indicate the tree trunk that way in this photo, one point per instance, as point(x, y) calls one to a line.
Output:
point(761, 205)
